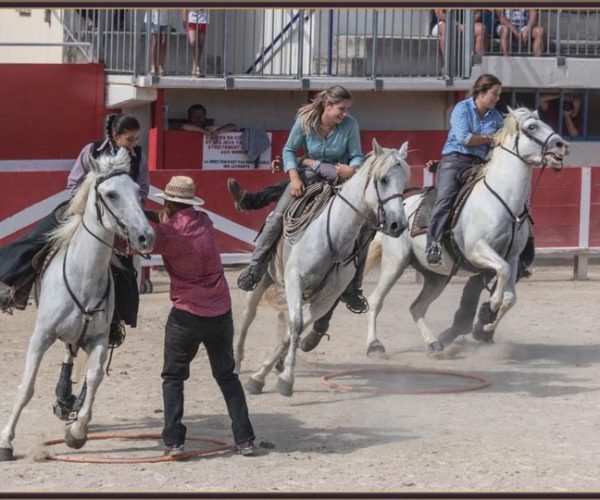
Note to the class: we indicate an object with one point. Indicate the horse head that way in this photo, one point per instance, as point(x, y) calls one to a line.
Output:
point(525, 135)
point(388, 174)
point(117, 201)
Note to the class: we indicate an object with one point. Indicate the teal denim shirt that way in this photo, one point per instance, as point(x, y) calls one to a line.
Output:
point(342, 145)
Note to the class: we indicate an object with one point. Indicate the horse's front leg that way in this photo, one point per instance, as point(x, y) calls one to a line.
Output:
point(297, 319)
point(391, 270)
point(485, 256)
point(248, 315)
point(64, 387)
point(509, 297)
point(256, 382)
point(76, 432)
point(38, 345)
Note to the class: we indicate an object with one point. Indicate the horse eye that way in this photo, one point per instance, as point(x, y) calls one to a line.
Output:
point(531, 127)
point(383, 180)
point(111, 195)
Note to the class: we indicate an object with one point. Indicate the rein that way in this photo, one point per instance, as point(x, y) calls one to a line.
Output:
point(100, 200)
point(373, 227)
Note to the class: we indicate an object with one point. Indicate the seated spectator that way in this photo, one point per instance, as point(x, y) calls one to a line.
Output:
point(196, 122)
point(439, 29)
point(549, 110)
point(519, 26)
point(159, 29)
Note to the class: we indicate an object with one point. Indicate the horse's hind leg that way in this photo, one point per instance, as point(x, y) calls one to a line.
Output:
point(391, 270)
point(256, 382)
point(252, 300)
point(76, 432)
point(39, 344)
point(432, 288)
point(465, 315)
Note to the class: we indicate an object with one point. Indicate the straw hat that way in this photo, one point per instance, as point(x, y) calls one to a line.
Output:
point(181, 189)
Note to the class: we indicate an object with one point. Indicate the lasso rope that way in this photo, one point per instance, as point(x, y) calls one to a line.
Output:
point(302, 211)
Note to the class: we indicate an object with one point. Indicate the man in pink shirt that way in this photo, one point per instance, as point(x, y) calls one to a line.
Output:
point(201, 313)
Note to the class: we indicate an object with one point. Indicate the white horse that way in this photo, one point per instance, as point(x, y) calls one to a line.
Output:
point(318, 267)
point(491, 232)
point(76, 295)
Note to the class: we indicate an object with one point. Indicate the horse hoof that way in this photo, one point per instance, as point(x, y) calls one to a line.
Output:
point(73, 442)
point(254, 386)
point(480, 335)
point(6, 455)
point(376, 349)
point(435, 347)
point(284, 387)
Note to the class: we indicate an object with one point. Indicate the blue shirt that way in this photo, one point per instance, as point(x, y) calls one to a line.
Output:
point(464, 122)
point(342, 145)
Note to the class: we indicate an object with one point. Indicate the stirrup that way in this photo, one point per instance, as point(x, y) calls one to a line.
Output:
point(246, 281)
point(355, 301)
point(7, 298)
point(117, 333)
point(433, 253)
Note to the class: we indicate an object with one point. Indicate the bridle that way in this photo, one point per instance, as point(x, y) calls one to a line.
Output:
point(378, 226)
point(544, 144)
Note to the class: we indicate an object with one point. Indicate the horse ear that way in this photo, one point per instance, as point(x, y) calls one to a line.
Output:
point(403, 151)
point(510, 111)
point(536, 115)
point(376, 147)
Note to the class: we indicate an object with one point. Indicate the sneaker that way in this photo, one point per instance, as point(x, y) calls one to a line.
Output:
point(174, 450)
point(246, 281)
point(355, 301)
point(434, 254)
point(237, 193)
point(247, 448)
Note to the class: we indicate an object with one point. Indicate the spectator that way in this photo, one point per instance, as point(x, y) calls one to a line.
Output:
point(519, 26)
point(159, 28)
point(439, 29)
point(194, 22)
point(549, 110)
point(201, 314)
point(196, 122)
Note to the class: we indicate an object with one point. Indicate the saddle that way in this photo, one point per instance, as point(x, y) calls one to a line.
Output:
point(469, 177)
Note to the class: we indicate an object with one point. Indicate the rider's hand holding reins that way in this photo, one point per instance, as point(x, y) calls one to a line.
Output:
point(345, 171)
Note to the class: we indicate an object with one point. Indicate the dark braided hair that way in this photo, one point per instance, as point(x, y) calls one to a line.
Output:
point(119, 124)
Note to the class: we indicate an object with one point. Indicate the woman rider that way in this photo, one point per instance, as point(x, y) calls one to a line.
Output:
point(17, 273)
point(331, 141)
point(473, 123)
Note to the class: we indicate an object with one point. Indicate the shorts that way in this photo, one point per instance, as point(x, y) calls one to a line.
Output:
point(163, 29)
point(499, 29)
point(198, 28)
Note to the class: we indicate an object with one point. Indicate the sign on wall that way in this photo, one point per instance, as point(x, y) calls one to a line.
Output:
point(225, 152)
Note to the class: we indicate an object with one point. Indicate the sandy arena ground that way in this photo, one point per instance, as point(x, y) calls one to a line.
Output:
point(536, 428)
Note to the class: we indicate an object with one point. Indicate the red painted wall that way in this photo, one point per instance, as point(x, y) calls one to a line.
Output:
point(49, 111)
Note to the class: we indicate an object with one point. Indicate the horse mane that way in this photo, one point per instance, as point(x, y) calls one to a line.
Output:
point(61, 236)
point(509, 129)
point(374, 168)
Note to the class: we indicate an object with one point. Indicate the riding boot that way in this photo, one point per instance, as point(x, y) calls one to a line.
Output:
point(267, 239)
point(116, 335)
point(353, 296)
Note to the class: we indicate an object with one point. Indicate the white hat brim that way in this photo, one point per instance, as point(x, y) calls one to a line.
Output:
point(195, 201)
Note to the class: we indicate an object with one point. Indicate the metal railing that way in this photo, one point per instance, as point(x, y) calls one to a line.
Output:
point(296, 43)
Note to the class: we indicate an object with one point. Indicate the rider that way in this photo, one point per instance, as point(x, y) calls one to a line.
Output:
point(473, 123)
point(331, 141)
point(17, 273)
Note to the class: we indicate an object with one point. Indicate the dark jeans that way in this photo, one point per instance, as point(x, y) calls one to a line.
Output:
point(448, 183)
point(183, 335)
point(266, 196)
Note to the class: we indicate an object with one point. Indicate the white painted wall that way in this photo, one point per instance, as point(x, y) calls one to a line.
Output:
point(17, 28)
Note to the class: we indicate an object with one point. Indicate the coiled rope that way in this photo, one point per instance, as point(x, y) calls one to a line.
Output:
point(302, 211)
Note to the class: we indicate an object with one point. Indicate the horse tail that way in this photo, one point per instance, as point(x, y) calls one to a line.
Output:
point(374, 255)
